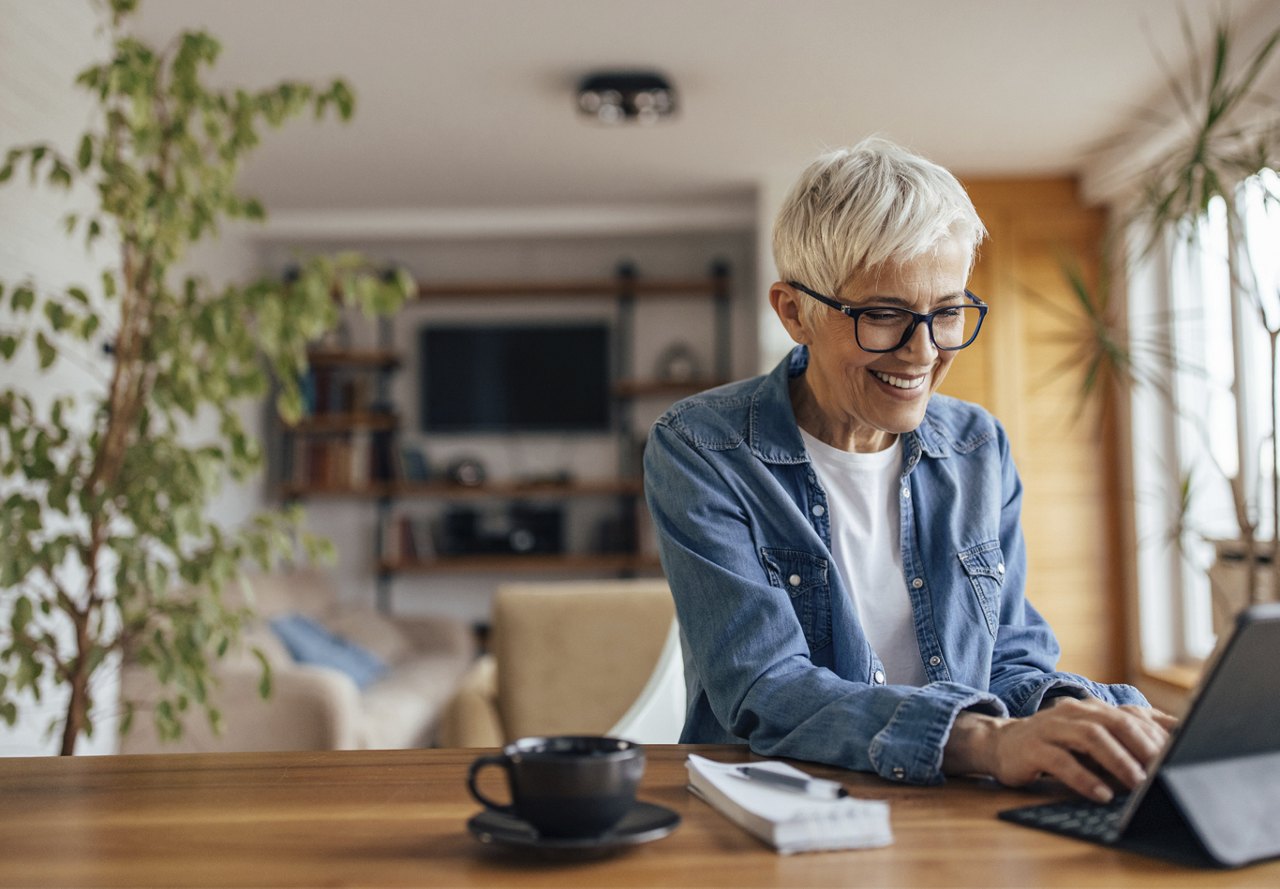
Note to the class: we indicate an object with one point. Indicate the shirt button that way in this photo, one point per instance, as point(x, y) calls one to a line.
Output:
point(794, 580)
point(934, 661)
point(818, 509)
point(899, 772)
point(1000, 568)
point(878, 676)
point(917, 583)
point(906, 493)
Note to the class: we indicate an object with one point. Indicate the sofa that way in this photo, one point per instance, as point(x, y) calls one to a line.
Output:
point(315, 705)
point(574, 657)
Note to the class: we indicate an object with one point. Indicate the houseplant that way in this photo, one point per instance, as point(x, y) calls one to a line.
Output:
point(1221, 135)
point(103, 509)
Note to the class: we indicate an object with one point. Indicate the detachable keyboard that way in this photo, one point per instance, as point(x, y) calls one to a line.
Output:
point(1080, 818)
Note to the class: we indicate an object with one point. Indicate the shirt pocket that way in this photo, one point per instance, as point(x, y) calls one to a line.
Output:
point(984, 566)
point(803, 576)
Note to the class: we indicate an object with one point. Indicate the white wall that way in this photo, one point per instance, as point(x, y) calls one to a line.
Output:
point(42, 47)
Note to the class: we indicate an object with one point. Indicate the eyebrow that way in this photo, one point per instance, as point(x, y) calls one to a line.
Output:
point(899, 302)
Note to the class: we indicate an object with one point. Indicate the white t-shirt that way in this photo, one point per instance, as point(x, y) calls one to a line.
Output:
point(862, 501)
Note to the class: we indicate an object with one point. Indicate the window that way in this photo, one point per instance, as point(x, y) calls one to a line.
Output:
point(1202, 354)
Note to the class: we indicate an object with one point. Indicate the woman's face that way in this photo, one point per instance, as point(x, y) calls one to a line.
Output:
point(859, 400)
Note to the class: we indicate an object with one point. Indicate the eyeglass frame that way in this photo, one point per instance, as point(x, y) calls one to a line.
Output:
point(856, 312)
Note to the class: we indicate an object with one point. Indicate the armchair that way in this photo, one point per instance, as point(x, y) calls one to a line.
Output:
point(585, 657)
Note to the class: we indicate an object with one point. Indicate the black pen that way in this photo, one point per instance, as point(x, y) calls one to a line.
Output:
point(816, 787)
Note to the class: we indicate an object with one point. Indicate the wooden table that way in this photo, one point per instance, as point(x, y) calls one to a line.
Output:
point(398, 818)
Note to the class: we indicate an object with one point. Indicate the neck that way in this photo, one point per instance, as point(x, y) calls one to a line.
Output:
point(829, 427)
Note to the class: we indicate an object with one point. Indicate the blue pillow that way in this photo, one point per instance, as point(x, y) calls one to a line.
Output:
point(311, 643)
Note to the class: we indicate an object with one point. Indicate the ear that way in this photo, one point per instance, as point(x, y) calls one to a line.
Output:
point(786, 304)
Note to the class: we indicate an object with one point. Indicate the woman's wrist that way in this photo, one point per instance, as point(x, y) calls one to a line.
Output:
point(970, 749)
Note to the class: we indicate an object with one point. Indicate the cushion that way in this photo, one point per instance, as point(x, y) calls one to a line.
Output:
point(312, 643)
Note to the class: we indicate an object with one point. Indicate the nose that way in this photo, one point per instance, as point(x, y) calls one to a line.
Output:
point(920, 345)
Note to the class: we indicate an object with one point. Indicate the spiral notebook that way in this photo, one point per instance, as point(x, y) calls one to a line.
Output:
point(788, 820)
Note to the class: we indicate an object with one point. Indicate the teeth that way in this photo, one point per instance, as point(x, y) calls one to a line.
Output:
point(899, 382)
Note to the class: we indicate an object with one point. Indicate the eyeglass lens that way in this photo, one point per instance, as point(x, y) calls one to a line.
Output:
point(884, 330)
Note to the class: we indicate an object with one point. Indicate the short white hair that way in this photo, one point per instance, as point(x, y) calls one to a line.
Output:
point(856, 209)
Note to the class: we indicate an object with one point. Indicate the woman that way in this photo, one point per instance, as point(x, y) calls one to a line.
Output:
point(844, 546)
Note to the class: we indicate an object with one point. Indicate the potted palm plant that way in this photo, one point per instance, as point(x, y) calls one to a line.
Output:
point(104, 510)
point(1220, 139)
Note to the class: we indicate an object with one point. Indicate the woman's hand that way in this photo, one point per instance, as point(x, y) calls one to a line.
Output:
point(1081, 743)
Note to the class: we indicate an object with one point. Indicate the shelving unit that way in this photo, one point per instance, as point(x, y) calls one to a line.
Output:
point(368, 414)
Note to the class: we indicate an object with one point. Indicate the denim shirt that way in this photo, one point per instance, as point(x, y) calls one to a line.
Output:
point(774, 652)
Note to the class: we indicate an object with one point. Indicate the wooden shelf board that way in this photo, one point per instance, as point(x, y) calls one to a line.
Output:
point(369, 358)
point(375, 491)
point(503, 564)
point(642, 388)
point(450, 491)
point(606, 288)
point(344, 422)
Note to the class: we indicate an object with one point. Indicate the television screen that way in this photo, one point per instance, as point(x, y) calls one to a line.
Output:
point(514, 378)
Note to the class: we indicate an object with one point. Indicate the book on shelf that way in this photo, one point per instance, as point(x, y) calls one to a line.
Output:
point(325, 390)
point(335, 462)
point(790, 820)
point(413, 464)
point(361, 459)
point(414, 540)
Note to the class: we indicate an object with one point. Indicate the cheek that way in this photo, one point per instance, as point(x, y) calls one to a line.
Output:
point(944, 365)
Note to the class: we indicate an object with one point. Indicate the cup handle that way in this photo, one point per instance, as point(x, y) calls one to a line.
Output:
point(479, 764)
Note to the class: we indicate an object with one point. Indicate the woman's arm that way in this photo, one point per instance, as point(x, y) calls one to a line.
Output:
point(1071, 728)
point(747, 645)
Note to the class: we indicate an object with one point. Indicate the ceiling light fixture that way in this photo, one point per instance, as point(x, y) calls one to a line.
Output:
point(613, 97)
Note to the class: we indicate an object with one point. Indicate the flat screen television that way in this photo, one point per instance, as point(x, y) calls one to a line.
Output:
point(514, 378)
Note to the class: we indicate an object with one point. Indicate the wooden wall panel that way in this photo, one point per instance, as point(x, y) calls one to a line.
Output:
point(1023, 371)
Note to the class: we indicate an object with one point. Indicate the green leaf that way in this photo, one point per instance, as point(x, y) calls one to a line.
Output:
point(24, 298)
point(264, 682)
point(8, 345)
point(48, 352)
point(126, 718)
point(21, 615)
point(79, 295)
point(84, 156)
point(89, 325)
point(60, 175)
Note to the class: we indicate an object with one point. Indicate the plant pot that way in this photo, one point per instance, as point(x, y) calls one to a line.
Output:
point(1229, 582)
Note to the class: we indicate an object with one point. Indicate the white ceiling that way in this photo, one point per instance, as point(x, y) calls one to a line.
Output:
point(468, 103)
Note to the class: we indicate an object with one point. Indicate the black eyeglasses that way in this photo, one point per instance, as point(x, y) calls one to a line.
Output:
point(887, 329)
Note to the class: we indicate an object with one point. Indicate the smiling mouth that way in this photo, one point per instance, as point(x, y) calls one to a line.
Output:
point(899, 382)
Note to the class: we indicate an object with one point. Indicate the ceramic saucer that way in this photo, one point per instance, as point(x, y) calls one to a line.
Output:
point(644, 823)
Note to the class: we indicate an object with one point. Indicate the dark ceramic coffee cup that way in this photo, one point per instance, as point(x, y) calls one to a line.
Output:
point(568, 785)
